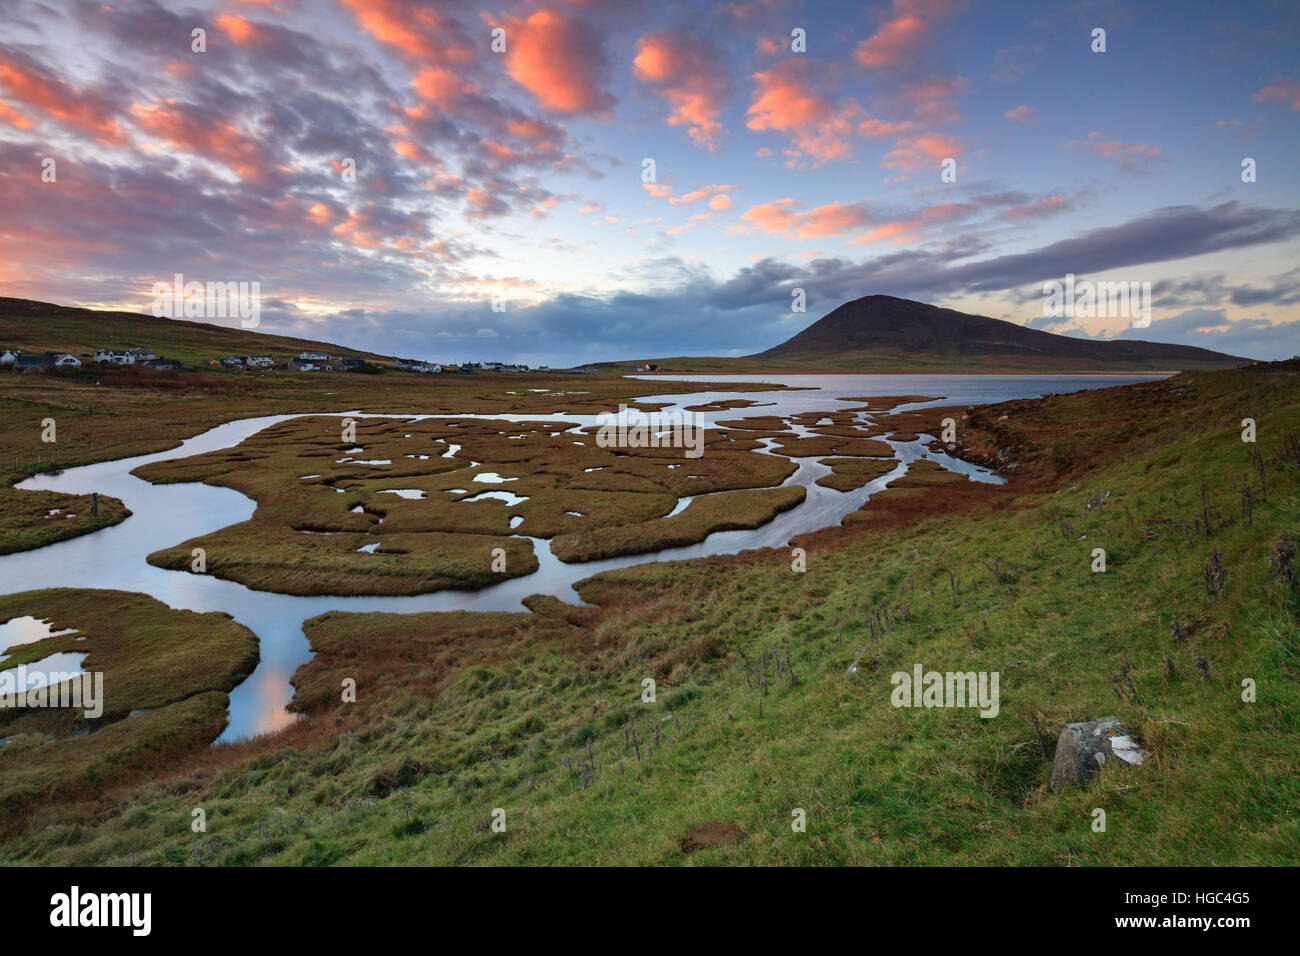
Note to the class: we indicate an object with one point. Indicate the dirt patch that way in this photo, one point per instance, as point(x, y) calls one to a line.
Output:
point(406, 774)
point(708, 835)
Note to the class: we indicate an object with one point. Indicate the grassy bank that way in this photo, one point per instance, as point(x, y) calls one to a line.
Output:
point(33, 519)
point(166, 675)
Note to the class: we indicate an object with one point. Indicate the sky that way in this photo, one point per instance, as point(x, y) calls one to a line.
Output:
point(569, 181)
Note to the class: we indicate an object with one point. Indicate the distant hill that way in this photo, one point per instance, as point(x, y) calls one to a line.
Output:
point(39, 327)
point(882, 325)
point(885, 333)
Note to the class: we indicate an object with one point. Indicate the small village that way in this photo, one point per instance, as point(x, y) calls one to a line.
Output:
point(16, 360)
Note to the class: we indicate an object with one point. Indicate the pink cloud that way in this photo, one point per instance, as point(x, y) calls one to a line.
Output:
point(484, 204)
point(912, 153)
point(690, 74)
point(901, 36)
point(14, 118)
point(1021, 114)
point(535, 130)
point(1284, 89)
point(894, 40)
point(1131, 156)
point(904, 229)
point(783, 218)
point(832, 219)
point(55, 98)
point(774, 217)
point(786, 100)
point(559, 60)
point(239, 29)
point(186, 129)
point(875, 127)
point(421, 34)
point(442, 86)
point(703, 192)
point(888, 230)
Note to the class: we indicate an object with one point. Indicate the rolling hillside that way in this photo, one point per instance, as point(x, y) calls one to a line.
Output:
point(39, 327)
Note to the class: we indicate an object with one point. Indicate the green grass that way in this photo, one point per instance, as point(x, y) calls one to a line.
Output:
point(458, 714)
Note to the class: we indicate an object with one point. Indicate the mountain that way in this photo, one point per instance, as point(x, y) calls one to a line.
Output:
point(881, 330)
point(882, 333)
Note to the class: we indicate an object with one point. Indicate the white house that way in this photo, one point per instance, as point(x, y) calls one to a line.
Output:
point(64, 360)
point(10, 357)
point(415, 365)
point(143, 354)
point(115, 356)
point(314, 356)
point(260, 361)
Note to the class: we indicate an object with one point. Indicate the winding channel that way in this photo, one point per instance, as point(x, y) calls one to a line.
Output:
point(166, 514)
